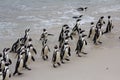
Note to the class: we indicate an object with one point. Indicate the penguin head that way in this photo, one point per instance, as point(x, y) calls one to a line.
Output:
point(92, 23)
point(86, 8)
point(30, 39)
point(101, 17)
point(56, 47)
point(66, 43)
point(7, 64)
point(7, 49)
point(26, 31)
point(64, 26)
point(78, 20)
point(109, 17)
point(44, 30)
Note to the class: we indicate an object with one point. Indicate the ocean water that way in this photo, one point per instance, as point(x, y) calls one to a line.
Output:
point(17, 15)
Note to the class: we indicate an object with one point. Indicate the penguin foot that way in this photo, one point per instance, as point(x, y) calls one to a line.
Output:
point(67, 59)
point(14, 74)
point(58, 63)
point(62, 62)
point(84, 53)
point(100, 42)
point(27, 68)
point(10, 75)
point(54, 66)
point(95, 43)
point(43, 58)
point(79, 55)
point(20, 73)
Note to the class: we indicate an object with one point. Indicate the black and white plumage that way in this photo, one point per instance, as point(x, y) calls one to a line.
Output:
point(82, 8)
point(56, 59)
point(76, 27)
point(44, 36)
point(32, 51)
point(92, 31)
point(15, 46)
point(1, 74)
point(97, 36)
point(19, 64)
point(6, 56)
point(27, 58)
point(77, 17)
point(45, 51)
point(80, 45)
point(65, 52)
point(100, 22)
point(62, 35)
point(6, 72)
point(109, 25)
point(2, 62)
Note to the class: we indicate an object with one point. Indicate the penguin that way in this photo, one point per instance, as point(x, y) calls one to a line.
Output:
point(100, 22)
point(26, 36)
point(77, 17)
point(1, 74)
point(15, 46)
point(61, 36)
point(82, 9)
point(56, 59)
point(19, 64)
point(65, 52)
point(2, 62)
point(97, 36)
point(6, 56)
point(92, 30)
point(27, 59)
point(80, 45)
point(67, 33)
point(6, 72)
point(45, 51)
point(109, 25)
point(31, 49)
point(76, 27)
point(43, 37)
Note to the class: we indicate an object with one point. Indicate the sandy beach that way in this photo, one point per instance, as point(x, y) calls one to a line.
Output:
point(101, 62)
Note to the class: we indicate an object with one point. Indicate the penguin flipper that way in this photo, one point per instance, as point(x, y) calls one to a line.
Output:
point(34, 50)
point(90, 32)
point(54, 57)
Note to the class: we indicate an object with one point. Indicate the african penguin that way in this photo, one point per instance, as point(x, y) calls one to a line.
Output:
point(97, 36)
point(80, 45)
point(76, 27)
point(1, 74)
point(2, 62)
point(6, 56)
point(92, 31)
point(45, 51)
point(6, 72)
point(56, 57)
point(65, 52)
point(19, 64)
point(27, 58)
point(109, 25)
